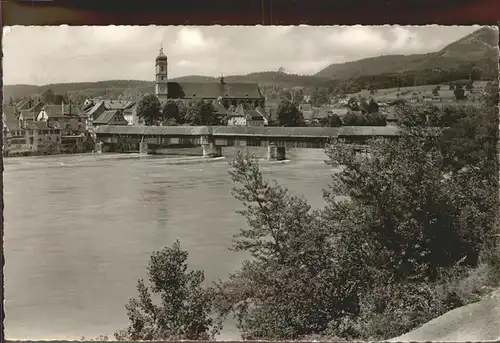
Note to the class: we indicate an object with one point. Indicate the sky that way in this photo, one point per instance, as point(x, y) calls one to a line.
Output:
point(52, 54)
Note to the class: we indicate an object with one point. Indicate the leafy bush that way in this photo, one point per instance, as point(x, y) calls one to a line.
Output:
point(176, 305)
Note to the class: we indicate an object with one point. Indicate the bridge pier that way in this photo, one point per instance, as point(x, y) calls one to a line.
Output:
point(98, 147)
point(275, 153)
point(211, 150)
point(143, 148)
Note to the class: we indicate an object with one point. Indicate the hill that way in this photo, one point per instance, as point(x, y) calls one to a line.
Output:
point(266, 78)
point(455, 61)
point(133, 88)
point(111, 88)
point(480, 47)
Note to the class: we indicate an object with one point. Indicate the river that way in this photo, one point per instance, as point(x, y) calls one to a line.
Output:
point(79, 231)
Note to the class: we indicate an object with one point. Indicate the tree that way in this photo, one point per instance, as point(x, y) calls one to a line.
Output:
point(182, 108)
point(226, 102)
point(332, 120)
point(48, 96)
point(468, 147)
point(286, 94)
point(319, 96)
point(209, 115)
point(184, 306)
point(459, 92)
point(402, 201)
point(170, 113)
point(148, 109)
point(470, 85)
point(59, 99)
point(193, 113)
point(490, 95)
point(298, 96)
point(372, 119)
point(351, 119)
point(435, 90)
point(352, 104)
point(289, 114)
point(289, 287)
point(412, 223)
point(200, 112)
point(452, 86)
point(363, 106)
point(11, 102)
point(372, 106)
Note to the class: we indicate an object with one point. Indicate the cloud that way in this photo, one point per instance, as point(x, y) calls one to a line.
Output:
point(405, 39)
point(191, 40)
point(186, 63)
point(50, 54)
point(359, 38)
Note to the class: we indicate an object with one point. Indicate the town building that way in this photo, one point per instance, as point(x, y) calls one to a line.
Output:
point(232, 92)
point(34, 128)
point(93, 112)
point(111, 117)
point(25, 136)
point(72, 144)
point(10, 125)
point(66, 117)
point(44, 139)
point(242, 116)
point(94, 108)
point(130, 113)
point(221, 111)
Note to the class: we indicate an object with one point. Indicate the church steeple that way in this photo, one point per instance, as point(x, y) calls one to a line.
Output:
point(161, 79)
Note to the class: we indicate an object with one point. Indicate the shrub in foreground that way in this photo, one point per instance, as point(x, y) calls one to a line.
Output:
point(176, 306)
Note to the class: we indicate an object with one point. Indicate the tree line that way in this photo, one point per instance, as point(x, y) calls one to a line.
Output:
point(412, 238)
point(463, 75)
point(472, 72)
point(178, 112)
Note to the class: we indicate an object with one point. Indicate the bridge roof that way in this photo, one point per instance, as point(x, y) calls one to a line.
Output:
point(154, 130)
point(317, 132)
point(241, 131)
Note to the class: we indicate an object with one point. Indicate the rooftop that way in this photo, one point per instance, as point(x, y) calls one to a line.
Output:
point(106, 117)
point(305, 132)
point(57, 110)
point(161, 56)
point(117, 104)
point(212, 90)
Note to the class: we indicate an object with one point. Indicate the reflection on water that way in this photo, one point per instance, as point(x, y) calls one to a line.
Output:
point(79, 231)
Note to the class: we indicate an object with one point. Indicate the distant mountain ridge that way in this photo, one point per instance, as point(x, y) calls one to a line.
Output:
point(480, 48)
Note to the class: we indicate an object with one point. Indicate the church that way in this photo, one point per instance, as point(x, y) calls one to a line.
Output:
point(232, 93)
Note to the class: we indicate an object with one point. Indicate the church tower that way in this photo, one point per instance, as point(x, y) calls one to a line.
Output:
point(161, 80)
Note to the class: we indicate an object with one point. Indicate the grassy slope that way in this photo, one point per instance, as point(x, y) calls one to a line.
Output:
point(391, 93)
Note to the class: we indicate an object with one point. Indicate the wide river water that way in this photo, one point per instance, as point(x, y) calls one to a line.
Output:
point(79, 231)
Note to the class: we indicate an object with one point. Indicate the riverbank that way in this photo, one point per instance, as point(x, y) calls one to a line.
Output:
point(48, 155)
point(477, 322)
